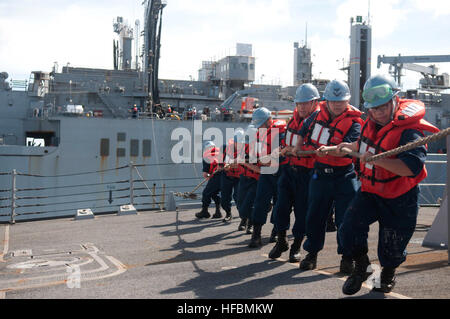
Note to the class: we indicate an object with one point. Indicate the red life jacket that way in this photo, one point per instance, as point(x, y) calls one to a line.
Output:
point(247, 171)
point(231, 155)
point(211, 156)
point(292, 134)
point(324, 131)
point(377, 180)
point(266, 138)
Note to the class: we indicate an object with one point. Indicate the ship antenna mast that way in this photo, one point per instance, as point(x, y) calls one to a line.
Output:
point(306, 35)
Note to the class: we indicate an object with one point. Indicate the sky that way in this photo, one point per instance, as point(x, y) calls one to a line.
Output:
point(35, 34)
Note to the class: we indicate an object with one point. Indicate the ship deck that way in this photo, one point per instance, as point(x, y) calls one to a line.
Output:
point(172, 255)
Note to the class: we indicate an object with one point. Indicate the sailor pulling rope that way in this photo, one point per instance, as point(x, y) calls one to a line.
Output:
point(326, 149)
point(393, 152)
point(191, 195)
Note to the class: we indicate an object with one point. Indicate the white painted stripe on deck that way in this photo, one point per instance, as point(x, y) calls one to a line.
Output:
point(5, 244)
point(296, 265)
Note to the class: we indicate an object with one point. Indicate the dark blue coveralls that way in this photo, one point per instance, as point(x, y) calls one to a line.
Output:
point(228, 188)
point(266, 191)
point(246, 198)
point(212, 188)
point(292, 192)
point(328, 184)
point(397, 217)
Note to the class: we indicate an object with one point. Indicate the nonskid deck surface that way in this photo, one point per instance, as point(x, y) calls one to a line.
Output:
point(173, 255)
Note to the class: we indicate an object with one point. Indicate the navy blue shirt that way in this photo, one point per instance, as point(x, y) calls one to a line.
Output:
point(415, 158)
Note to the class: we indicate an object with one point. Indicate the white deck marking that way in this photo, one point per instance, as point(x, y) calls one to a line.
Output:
point(5, 244)
point(392, 294)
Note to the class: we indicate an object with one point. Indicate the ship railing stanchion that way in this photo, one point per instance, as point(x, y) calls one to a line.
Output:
point(131, 184)
point(448, 198)
point(154, 198)
point(163, 199)
point(13, 197)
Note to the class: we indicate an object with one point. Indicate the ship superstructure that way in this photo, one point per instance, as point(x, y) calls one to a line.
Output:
point(102, 131)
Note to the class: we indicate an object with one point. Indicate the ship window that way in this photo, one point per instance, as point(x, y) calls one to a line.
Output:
point(121, 137)
point(120, 152)
point(104, 147)
point(134, 148)
point(146, 148)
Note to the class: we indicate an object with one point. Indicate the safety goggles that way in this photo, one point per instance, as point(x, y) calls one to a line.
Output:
point(377, 93)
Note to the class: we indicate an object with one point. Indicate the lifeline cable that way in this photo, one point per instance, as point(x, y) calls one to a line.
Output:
point(151, 192)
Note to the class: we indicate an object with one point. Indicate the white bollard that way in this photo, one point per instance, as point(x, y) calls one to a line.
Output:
point(127, 210)
point(84, 214)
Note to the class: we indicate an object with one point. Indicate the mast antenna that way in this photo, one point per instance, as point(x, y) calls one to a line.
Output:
point(306, 35)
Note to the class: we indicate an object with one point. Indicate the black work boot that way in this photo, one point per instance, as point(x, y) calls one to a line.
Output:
point(228, 216)
point(203, 213)
point(273, 236)
point(243, 224)
point(359, 275)
point(387, 280)
point(346, 265)
point(280, 247)
point(294, 253)
point(217, 214)
point(331, 226)
point(249, 229)
point(255, 241)
point(309, 263)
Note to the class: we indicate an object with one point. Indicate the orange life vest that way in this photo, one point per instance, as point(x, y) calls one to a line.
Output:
point(266, 138)
point(325, 131)
point(377, 180)
point(292, 134)
point(231, 155)
point(211, 157)
point(247, 171)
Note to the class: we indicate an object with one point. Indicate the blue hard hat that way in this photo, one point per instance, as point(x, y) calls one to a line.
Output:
point(208, 144)
point(305, 93)
point(239, 136)
point(337, 90)
point(378, 90)
point(260, 116)
point(250, 133)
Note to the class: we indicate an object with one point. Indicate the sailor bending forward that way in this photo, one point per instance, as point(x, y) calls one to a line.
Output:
point(389, 187)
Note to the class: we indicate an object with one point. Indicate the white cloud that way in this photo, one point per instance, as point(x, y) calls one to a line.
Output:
point(218, 26)
point(437, 7)
point(73, 33)
point(386, 16)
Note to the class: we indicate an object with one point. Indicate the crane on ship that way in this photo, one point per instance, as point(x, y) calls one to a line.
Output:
point(152, 47)
point(432, 78)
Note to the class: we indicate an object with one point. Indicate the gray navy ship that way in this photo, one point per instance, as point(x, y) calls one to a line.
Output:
point(80, 138)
